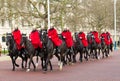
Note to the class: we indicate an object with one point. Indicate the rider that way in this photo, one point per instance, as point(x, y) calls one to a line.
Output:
point(53, 35)
point(68, 37)
point(104, 35)
point(96, 35)
point(82, 36)
point(110, 39)
point(35, 38)
point(17, 37)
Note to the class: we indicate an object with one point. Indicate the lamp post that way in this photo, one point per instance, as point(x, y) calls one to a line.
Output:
point(115, 24)
point(48, 3)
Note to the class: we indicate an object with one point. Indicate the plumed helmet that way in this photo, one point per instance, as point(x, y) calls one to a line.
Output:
point(34, 28)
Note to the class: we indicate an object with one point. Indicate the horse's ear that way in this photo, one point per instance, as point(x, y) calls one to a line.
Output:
point(46, 30)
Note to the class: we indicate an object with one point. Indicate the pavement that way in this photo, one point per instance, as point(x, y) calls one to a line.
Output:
point(4, 57)
point(107, 69)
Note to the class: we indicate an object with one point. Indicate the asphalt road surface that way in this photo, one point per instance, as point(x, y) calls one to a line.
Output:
point(107, 69)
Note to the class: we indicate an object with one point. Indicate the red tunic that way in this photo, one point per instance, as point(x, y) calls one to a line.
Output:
point(17, 37)
point(95, 33)
point(108, 34)
point(105, 38)
point(35, 39)
point(83, 38)
point(68, 38)
point(52, 34)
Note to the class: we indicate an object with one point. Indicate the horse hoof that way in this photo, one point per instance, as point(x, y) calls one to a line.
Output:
point(13, 69)
point(28, 70)
point(70, 63)
point(44, 72)
point(98, 58)
point(61, 65)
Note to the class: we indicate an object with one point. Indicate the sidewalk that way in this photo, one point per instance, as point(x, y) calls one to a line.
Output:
point(4, 57)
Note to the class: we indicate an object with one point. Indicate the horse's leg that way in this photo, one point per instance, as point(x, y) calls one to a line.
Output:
point(33, 65)
point(26, 60)
point(13, 58)
point(23, 59)
point(13, 63)
point(103, 50)
point(106, 53)
point(81, 56)
point(74, 56)
point(31, 60)
point(86, 54)
point(91, 53)
point(61, 61)
point(71, 55)
point(66, 57)
point(108, 50)
point(37, 61)
point(46, 64)
point(58, 57)
point(42, 63)
point(96, 55)
point(50, 65)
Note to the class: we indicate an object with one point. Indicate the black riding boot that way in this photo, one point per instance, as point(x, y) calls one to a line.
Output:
point(58, 49)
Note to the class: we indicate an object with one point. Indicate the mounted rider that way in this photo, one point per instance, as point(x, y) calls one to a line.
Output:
point(35, 38)
point(17, 37)
point(96, 36)
point(104, 35)
point(82, 36)
point(109, 37)
point(53, 35)
point(68, 37)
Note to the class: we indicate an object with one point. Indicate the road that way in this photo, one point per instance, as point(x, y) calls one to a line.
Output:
point(107, 69)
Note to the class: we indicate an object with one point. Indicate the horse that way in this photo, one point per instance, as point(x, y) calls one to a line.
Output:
point(110, 46)
point(68, 52)
point(104, 47)
point(80, 48)
point(93, 46)
point(52, 50)
point(48, 49)
point(13, 51)
point(31, 52)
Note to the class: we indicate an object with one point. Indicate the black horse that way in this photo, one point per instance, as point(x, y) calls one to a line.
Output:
point(31, 52)
point(110, 46)
point(94, 47)
point(14, 52)
point(68, 52)
point(52, 50)
point(104, 47)
point(83, 51)
point(48, 50)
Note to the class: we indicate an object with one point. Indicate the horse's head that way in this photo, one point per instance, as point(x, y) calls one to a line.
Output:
point(44, 36)
point(102, 40)
point(61, 37)
point(91, 40)
point(24, 39)
point(76, 36)
point(10, 42)
point(9, 39)
point(108, 37)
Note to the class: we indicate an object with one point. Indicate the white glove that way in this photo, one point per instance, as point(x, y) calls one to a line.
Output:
point(80, 37)
point(64, 37)
point(49, 36)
